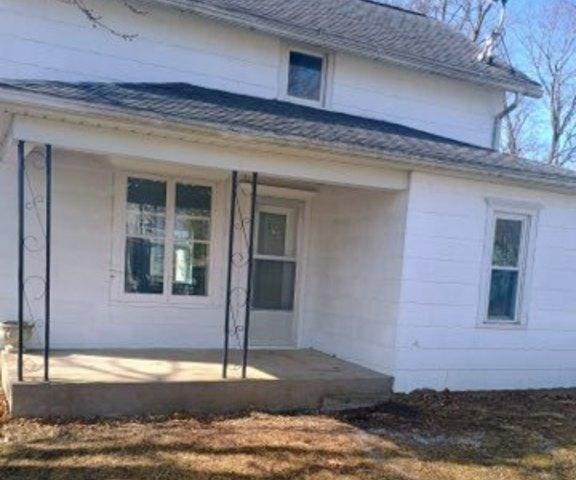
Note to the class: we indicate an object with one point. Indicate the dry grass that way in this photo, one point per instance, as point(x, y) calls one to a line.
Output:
point(496, 436)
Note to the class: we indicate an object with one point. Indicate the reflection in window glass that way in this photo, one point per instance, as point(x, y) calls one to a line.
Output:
point(193, 200)
point(145, 225)
point(191, 240)
point(272, 234)
point(274, 285)
point(503, 290)
point(507, 241)
point(505, 273)
point(305, 76)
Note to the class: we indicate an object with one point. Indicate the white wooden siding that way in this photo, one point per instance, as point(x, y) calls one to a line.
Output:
point(439, 344)
point(351, 227)
point(434, 104)
point(45, 39)
point(408, 308)
point(354, 275)
point(83, 311)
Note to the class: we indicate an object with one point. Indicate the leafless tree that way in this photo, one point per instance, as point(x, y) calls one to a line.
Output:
point(475, 18)
point(546, 41)
point(543, 43)
point(97, 20)
point(518, 133)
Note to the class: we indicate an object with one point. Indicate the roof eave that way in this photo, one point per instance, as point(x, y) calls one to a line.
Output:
point(46, 105)
point(323, 40)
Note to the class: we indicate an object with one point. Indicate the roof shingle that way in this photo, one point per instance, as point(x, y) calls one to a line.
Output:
point(191, 105)
point(371, 29)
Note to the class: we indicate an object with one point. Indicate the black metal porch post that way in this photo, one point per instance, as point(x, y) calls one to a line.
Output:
point(48, 161)
point(21, 173)
point(249, 274)
point(232, 227)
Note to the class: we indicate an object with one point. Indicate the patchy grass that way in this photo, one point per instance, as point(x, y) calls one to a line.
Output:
point(437, 436)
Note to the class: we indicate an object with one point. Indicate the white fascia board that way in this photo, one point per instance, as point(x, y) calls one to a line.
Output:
point(201, 153)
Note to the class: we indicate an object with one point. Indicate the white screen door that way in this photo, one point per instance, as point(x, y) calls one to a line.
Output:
point(274, 278)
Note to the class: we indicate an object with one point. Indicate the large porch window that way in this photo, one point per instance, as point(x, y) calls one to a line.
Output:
point(167, 238)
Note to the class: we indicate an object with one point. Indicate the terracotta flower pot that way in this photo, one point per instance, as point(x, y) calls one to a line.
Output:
point(9, 334)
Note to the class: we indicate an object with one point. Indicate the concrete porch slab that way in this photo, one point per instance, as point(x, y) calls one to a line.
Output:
point(87, 383)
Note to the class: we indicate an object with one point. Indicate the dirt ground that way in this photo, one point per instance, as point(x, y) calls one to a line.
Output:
point(437, 436)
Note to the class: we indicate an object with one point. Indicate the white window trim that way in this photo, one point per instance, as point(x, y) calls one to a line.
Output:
point(529, 213)
point(327, 75)
point(117, 292)
point(291, 244)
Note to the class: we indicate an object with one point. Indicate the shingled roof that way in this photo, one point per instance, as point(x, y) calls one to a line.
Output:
point(259, 118)
point(369, 29)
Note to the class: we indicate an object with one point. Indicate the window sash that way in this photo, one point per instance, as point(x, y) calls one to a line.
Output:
point(520, 268)
point(324, 75)
point(511, 303)
point(169, 240)
point(295, 68)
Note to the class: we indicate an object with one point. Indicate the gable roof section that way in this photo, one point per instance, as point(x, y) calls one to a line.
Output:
point(369, 29)
point(188, 105)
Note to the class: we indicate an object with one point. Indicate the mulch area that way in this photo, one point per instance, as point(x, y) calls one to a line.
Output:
point(424, 435)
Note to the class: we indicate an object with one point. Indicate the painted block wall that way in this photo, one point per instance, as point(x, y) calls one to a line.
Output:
point(439, 344)
point(46, 39)
point(354, 275)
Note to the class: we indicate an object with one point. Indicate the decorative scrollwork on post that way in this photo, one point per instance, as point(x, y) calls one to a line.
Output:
point(239, 267)
point(34, 172)
point(35, 241)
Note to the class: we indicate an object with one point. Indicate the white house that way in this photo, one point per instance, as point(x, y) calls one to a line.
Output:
point(389, 231)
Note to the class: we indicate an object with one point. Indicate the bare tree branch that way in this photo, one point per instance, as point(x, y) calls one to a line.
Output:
point(549, 44)
point(545, 44)
point(97, 20)
point(474, 18)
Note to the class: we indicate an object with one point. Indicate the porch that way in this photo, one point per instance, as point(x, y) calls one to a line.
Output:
point(196, 251)
point(86, 383)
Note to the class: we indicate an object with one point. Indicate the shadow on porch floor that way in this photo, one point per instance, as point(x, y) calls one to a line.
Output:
point(184, 366)
point(88, 383)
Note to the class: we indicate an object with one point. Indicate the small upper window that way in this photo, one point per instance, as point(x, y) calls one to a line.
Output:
point(305, 76)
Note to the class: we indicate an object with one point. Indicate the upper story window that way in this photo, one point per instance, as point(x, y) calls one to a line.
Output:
point(511, 240)
point(306, 77)
point(166, 238)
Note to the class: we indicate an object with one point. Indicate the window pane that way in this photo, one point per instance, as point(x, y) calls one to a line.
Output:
point(507, 240)
point(305, 76)
point(191, 269)
point(273, 285)
point(144, 266)
point(272, 234)
point(503, 292)
point(193, 200)
point(145, 227)
point(188, 229)
point(146, 195)
point(141, 223)
point(191, 258)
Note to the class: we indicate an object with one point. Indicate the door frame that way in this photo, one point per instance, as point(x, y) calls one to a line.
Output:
point(303, 237)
